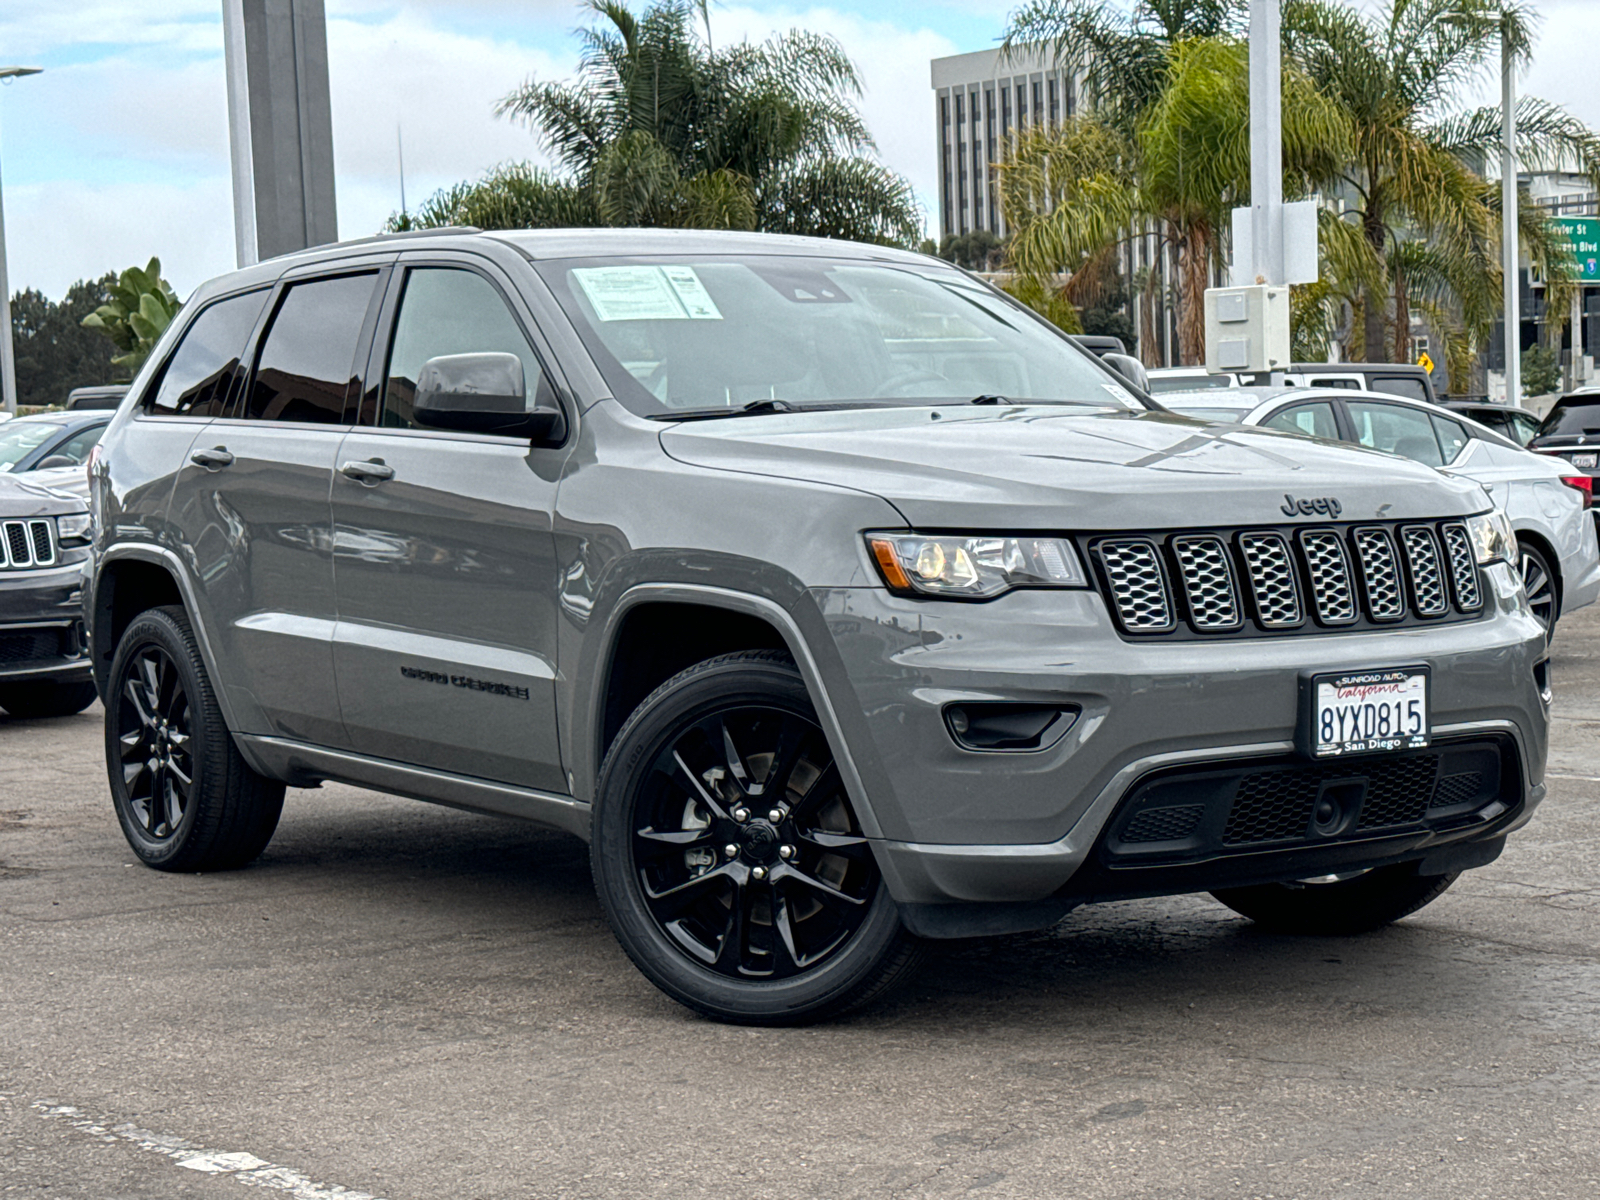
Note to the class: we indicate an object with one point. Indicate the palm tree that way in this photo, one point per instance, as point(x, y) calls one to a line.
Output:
point(1073, 193)
point(1425, 213)
point(664, 128)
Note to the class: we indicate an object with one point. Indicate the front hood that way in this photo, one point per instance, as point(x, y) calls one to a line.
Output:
point(1039, 467)
point(21, 496)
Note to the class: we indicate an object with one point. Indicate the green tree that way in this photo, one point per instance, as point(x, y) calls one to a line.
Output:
point(1541, 371)
point(1427, 217)
point(1072, 192)
point(663, 128)
point(979, 250)
point(54, 352)
point(141, 306)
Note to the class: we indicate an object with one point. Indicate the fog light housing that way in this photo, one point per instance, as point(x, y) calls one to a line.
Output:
point(1015, 727)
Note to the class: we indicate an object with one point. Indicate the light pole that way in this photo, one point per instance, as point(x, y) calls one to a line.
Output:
point(8, 362)
point(1508, 220)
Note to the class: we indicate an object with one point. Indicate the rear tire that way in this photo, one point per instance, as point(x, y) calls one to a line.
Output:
point(1369, 901)
point(1539, 580)
point(185, 797)
point(727, 856)
point(31, 701)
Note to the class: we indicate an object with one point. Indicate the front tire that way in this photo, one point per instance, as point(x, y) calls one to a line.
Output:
point(1369, 901)
point(32, 701)
point(185, 797)
point(728, 858)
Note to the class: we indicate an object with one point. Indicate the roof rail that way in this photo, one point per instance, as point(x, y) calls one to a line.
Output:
point(438, 231)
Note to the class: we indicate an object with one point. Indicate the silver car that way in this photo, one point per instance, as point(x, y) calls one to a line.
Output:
point(1555, 533)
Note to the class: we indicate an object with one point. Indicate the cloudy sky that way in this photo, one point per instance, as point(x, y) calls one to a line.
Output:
point(119, 150)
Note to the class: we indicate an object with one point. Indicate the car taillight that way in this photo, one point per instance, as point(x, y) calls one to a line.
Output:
point(1584, 484)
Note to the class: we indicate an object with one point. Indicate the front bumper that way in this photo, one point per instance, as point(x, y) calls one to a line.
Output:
point(954, 826)
point(41, 625)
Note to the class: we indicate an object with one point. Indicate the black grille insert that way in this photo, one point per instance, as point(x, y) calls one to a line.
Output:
point(1272, 804)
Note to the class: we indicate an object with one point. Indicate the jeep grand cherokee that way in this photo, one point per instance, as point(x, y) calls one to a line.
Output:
point(838, 600)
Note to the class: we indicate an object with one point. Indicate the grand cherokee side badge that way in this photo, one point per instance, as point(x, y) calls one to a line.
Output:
point(1326, 505)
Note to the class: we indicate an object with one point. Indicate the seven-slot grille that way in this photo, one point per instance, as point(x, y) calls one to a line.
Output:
point(27, 544)
point(1277, 580)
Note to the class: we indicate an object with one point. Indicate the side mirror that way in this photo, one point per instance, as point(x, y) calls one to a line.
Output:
point(1130, 368)
point(483, 393)
point(54, 461)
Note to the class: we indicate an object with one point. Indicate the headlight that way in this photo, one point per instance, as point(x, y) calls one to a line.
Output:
point(74, 528)
point(1492, 539)
point(973, 568)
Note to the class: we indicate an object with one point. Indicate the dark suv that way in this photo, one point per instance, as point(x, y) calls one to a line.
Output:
point(44, 545)
point(838, 600)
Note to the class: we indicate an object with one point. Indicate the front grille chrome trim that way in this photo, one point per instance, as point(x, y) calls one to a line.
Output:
point(1425, 571)
point(1138, 584)
point(1206, 572)
point(1333, 590)
point(1380, 573)
point(1274, 588)
point(26, 544)
point(1463, 568)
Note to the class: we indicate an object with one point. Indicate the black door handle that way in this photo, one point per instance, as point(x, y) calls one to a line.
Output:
point(371, 471)
point(212, 460)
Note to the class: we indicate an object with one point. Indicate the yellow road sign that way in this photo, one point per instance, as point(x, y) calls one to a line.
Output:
point(1425, 362)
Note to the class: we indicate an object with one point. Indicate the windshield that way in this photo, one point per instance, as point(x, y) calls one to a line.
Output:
point(1573, 416)
point(674, 334)
point(18, 439)
point(1188, 383)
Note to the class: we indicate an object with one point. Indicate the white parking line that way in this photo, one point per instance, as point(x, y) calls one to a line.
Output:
point(236, 1164)
point(1580, 778)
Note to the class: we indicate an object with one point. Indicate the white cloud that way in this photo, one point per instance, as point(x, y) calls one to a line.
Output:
point(64, 231)
point(897, 100)
point(440, 89)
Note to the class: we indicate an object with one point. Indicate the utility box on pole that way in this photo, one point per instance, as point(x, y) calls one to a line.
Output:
point(1247, 329)
point(280, 126)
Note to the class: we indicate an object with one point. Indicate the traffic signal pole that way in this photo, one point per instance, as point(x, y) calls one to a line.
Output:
point(1508, 222)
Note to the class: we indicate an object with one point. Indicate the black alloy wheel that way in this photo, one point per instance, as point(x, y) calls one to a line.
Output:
point(155, 747)
point(729, 857)
point(184, 795)
point(1538, 579)
point(747, 852)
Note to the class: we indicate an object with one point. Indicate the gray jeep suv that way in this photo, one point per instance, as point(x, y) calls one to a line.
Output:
point(839, 601)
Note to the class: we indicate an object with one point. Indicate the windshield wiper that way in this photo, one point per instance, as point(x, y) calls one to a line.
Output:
point(754, 409)
point(991, 399)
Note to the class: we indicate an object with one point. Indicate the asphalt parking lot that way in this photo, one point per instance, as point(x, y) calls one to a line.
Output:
point(414, 1003)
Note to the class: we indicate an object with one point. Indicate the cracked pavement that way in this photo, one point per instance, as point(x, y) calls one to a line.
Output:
point(413, 1003)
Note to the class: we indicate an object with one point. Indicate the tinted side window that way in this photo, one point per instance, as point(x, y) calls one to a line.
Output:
point(1522, 430)
point(1406, 387)
point(1397, 429)
point(448, 311)
point(1314, 419)
point(1349, 385)
point(1452, 436)
point(306, 367)
point(197, 377)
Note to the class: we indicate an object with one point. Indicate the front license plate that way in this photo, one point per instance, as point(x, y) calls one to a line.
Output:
point(1363, 711)
point(1584, 462)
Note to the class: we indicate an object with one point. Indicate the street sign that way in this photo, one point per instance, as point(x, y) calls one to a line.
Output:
point(1425, 362)
point(1579, 239)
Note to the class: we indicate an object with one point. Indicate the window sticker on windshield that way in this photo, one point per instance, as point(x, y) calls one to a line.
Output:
point(1121, 393)
point(692, 293)
point(646, 294)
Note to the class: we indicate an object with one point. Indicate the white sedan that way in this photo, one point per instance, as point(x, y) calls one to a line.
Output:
point(1546, 502)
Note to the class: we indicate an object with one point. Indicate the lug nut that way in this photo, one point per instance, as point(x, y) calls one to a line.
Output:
point(759, 872)
point(731, 850)
point(785, 851)
point(741, 815)
point(775, 815)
